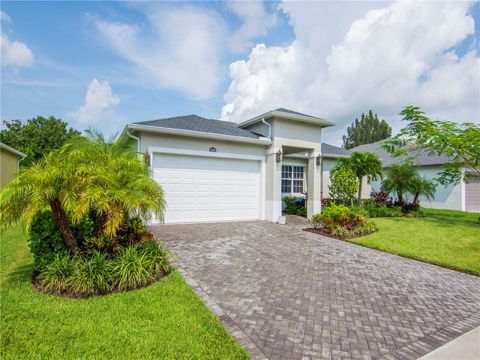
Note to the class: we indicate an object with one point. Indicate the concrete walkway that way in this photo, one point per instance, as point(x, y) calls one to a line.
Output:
point(288, 294)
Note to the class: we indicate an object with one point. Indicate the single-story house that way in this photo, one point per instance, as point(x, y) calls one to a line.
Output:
point(462, 196)
point(214, 170)
point(9, 162)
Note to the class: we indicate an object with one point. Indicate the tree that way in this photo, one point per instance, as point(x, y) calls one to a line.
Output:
point(363, 164)
point(400, 178)
point(343, 184)
point(90, 175)
point(459, 141)
point(44, 184)
point(37, 137)
point(422, 186)
point(368, 130)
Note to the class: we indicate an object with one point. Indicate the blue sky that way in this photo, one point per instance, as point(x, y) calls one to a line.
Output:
point(103, 64)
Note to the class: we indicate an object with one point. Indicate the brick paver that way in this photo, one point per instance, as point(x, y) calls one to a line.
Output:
point(288, 294)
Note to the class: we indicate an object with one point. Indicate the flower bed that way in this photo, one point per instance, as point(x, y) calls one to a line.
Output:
point(343, 222)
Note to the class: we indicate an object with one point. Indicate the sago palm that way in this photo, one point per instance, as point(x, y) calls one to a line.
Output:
point(45, 184)
point(363, 164)
point(113, 182)
point(399, 178)
point(422, 186)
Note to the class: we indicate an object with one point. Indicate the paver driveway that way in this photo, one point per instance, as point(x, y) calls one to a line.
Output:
point(289, 294)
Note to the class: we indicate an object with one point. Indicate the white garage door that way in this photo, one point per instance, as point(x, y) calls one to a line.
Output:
point(206, 189)
point(472, 194)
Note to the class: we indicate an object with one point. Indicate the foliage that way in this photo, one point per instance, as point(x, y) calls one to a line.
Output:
point(368, 130)
point(422, 186)
point(461, 142)
point(45, 239)
point(399, 178)
point(92, 175)
point(381, 197)
point(132, 267)
point(295, 205)
point(343, 185)
point(363, 164)
point(343, 221)
point(381, 209)
point(37, 137)
point(167, 318)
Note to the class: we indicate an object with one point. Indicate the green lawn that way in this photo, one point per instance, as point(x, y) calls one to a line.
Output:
point(165, 320)
point(443, 237)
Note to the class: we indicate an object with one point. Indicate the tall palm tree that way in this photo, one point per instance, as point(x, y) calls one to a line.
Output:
point(44, 184)
point(399, 178)
point(114, 183)
point(363, 164)
point(422, 186)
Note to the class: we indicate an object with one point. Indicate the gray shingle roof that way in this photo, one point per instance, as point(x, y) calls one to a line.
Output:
point(334, 151)
point(197, 123)
point(421, 155)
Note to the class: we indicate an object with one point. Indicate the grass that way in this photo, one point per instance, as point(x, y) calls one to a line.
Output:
point(165, 320)
point(443, 237)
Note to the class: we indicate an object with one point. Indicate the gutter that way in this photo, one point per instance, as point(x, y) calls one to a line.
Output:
point(283, 115)
point(198, 134)
point(134, 138)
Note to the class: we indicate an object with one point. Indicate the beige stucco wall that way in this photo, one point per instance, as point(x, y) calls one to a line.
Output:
point(8, 166)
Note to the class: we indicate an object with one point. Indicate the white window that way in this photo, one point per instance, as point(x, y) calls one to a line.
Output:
point(292, 179)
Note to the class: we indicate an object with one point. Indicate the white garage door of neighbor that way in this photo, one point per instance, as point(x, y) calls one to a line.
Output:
point(207, 189)
point(472, 194)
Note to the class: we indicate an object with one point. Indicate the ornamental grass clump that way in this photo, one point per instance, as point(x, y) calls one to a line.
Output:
point(344, 222)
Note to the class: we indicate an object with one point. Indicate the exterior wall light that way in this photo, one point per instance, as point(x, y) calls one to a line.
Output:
point(212, 149)
point(278, 156)
point(146, 159)
point(319, 160)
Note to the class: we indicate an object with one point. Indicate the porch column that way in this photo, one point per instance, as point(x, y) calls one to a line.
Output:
point(273, 189)
point(313, 185)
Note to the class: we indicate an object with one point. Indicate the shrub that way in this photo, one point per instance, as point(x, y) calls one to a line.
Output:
point(295, 206)
point(375, 209)
point(45, 239)
point(343, 187)
point(79, 276)
point(381, 197)
point(343, 221)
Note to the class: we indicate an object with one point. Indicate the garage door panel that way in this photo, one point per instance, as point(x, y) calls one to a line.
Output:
point(208, 189)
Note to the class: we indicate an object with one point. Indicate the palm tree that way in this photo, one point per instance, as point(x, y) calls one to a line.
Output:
point(399, 178)
point(42, 185)
point(114, 183)
point(363, 164)
point(422, 186)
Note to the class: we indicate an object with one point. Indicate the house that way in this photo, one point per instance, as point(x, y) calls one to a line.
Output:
point(462, 196)
point(9, 162)
point(214, 170)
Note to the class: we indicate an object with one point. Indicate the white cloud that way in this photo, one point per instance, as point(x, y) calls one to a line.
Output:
point(178, 50)
point(382, 59)
point(99, 101)
point(14, 54)
point(4, 17)
point(255, 23)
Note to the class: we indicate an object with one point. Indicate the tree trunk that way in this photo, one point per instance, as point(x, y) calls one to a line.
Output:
point(359, 198)
point(415, 199)
point(400, 196)
point(62, 222)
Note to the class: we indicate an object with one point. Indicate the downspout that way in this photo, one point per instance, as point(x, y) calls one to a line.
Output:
point(18, 161)
point(134, 138)
point(269, 128)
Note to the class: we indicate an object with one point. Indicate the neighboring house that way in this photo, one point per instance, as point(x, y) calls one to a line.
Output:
point(9, 162)
point(462, 196)
point(214, 170)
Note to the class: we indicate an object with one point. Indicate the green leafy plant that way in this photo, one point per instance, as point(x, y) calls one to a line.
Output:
point(343, 185)
point(363, 164)
point(55, 276)
point(132, 268)
point(399, 178)
point(343, 221)
point(295, 205)
point(375, 209)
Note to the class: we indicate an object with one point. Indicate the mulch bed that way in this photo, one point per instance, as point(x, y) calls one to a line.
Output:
point(319, 231)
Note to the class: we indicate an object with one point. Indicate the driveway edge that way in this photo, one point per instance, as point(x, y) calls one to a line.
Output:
point(237, 333)
point(434, 340)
